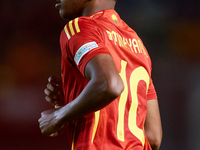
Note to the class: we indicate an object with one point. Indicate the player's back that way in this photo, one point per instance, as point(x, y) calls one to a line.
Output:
point(126, 115)
point(120, 125)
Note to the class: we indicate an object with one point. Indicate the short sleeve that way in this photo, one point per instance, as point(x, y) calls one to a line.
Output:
point(151, 91)
point(85, 44)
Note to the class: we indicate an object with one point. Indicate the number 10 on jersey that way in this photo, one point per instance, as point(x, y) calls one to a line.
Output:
point(137, 75)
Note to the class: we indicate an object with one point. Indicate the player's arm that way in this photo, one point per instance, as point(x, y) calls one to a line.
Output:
point(153, 128)
point(104, 86)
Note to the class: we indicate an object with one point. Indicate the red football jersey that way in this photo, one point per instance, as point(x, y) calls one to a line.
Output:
point(120, 125)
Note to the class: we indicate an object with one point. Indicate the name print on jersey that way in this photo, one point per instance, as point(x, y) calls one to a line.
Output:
point(134, 45)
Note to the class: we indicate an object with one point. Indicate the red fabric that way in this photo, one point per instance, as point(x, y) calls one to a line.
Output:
point(109, 34)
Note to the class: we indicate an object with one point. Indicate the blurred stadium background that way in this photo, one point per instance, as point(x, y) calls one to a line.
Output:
point(30, 53)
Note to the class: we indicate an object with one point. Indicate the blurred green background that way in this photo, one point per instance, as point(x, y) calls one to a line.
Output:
point(30, 53)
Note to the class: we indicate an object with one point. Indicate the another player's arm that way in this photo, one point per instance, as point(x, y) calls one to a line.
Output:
point(53, 91)
point(104, 86)
point(153, 128)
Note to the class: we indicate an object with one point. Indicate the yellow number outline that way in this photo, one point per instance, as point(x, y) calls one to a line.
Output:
point(137, 75)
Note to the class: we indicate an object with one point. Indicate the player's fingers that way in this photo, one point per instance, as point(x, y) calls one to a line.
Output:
point(55, 80)
point(51, 97)
point(54, 98)
point(54, 134)
point(51, 101)
point(53, 88)
point(59, 132)
point(51, 94)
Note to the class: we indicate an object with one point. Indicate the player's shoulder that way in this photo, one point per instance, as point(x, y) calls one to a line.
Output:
point(79, 25)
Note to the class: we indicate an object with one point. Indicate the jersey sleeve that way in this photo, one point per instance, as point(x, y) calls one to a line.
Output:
point(151, 91)
point(85, 42)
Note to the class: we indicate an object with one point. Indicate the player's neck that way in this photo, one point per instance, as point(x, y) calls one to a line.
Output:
point(95, 6)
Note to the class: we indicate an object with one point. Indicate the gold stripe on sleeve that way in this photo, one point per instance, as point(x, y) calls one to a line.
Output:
point(76, 25)
point(71, 28)
point(67, 33)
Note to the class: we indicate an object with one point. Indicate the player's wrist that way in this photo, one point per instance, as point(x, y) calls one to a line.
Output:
point(61, 115)
point(58, 114)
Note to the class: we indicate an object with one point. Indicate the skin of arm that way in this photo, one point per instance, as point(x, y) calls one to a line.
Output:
point(153, 127)
point(105, 85)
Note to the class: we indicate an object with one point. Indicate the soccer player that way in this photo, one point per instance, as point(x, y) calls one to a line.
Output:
point(110, 100)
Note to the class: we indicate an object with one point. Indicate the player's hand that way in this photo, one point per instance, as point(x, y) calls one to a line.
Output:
point(54, 93)
point(49, 123)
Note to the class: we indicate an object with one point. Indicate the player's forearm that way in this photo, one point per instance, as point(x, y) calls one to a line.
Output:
point(154, 137)
point(95, 96)
point(153, 127)
point(156, 147)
